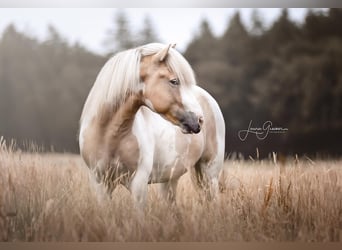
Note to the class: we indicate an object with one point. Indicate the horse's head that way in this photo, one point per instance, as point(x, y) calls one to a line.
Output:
point(166, 93)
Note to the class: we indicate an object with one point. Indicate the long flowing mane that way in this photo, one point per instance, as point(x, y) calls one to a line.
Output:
point(120, 76)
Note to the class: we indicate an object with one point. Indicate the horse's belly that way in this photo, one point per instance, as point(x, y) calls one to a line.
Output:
point(164, 173)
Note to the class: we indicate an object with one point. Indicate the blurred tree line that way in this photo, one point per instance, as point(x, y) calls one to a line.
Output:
point(42, 88)
point(289, 74)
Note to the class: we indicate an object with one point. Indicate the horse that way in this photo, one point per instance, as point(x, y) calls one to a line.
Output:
point(147, 121)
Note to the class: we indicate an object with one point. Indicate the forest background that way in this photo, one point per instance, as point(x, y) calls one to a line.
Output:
point(289, 74)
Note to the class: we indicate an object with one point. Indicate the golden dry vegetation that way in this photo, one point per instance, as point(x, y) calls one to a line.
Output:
point(48, 197)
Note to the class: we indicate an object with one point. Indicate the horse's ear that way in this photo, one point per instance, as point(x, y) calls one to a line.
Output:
point(161, 55)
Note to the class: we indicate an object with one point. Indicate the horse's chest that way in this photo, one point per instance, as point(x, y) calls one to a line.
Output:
point(174, 154)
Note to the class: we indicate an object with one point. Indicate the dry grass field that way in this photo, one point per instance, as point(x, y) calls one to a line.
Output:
point(48, 197)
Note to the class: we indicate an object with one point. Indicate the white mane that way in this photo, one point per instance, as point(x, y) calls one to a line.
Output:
point(120, 76)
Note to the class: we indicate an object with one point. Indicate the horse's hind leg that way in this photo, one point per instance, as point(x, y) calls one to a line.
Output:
point(104, 179)
point(101, 192)
point(168, 190)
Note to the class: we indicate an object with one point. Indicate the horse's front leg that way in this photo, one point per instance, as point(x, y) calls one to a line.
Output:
point(138, 187)
point(139, 182)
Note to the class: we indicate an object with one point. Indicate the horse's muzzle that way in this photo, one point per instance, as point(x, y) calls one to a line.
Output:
point(190, 123)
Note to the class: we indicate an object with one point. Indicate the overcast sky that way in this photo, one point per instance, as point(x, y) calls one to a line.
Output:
point(90, 25)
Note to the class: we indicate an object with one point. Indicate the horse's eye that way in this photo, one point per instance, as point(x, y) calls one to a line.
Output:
point(174, 82)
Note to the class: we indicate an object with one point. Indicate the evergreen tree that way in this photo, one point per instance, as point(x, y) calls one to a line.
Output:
point(147, 33)
point(235, 30)
point(235, 42)
point(314, 25)
point(282, 32)
point(203, 41)
point(120, 36)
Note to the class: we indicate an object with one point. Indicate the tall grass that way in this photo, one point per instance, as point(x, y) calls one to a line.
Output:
point(48, 197)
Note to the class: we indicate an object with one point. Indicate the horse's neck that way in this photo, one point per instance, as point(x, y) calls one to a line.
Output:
point(120, 121)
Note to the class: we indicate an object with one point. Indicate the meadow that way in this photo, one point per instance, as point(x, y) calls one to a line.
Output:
point(48, 197)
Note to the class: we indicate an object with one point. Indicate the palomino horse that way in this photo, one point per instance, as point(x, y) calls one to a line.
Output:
point(146, 121)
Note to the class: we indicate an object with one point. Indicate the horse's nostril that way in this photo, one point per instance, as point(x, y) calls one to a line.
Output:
point(191, 123)
point(200, 120)
point(198, 129)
